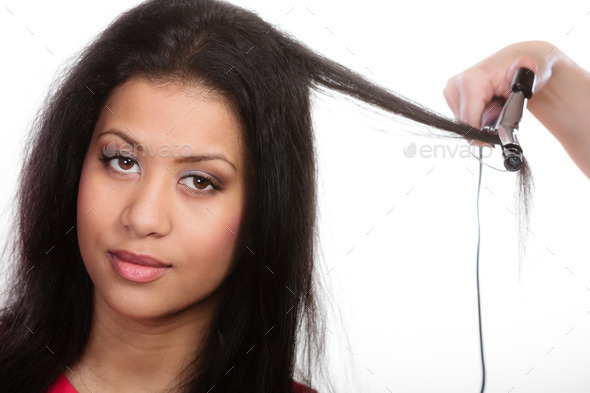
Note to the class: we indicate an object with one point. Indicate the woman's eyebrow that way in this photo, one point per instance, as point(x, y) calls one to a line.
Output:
point(180, 160)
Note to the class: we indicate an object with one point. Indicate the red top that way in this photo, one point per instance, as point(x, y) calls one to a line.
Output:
point(62, 385)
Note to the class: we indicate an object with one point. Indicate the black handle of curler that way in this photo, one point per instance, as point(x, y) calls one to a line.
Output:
point(523, 81)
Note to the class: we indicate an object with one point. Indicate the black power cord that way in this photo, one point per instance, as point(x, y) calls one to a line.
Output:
point(483, 366)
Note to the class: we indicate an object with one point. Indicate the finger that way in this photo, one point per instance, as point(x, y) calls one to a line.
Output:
point(492, 111)
point(476, 90)
point(451, 95)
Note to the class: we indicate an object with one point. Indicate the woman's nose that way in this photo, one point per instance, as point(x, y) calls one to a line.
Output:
point(149, 205)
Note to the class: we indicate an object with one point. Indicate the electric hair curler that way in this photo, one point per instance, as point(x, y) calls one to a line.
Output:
point(506, 124)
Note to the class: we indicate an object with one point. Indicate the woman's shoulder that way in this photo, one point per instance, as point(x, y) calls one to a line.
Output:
point(299, 388)
point(62, 385)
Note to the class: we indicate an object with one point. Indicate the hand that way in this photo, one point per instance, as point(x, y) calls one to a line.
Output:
point(470, 93)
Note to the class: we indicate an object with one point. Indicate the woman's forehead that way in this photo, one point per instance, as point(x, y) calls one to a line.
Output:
point(167, 114)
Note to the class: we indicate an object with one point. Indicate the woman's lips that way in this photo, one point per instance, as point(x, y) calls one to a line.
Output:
point(136, 272)
point(142, 259)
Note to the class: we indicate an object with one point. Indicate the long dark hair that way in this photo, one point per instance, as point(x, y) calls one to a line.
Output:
point(270, 307)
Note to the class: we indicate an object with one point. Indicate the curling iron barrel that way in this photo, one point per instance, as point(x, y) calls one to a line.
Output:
point(507, 124)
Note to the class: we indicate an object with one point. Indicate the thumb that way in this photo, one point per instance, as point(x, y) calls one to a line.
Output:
point(521, 62)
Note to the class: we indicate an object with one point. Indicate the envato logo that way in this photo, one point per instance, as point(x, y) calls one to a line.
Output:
point(164, 150)
point(441, 151)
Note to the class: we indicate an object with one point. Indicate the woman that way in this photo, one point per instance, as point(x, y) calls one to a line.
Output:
point(183, 140)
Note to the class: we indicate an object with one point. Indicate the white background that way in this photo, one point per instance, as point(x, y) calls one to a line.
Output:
point(407, 289)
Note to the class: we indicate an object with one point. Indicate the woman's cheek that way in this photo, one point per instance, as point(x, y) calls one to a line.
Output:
point(93, 194)
point(96, 208)
point(86, 201)
point(212, 243)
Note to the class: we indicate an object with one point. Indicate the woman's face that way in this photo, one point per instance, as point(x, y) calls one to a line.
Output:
point(157, 201)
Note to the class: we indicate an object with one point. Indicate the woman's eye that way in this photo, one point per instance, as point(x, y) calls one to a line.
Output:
point(121, 163)
point(196, 183)
point(199, 183)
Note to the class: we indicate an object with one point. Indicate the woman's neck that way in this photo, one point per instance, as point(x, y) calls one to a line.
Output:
point(126, 355)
